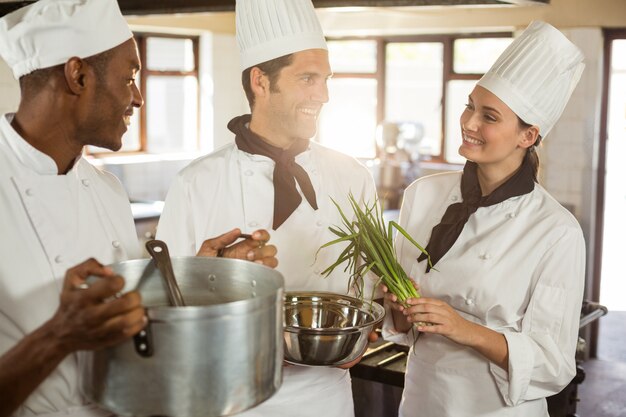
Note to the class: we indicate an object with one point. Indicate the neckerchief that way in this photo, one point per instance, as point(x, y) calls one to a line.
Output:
point(286, 170)
point(448, 230)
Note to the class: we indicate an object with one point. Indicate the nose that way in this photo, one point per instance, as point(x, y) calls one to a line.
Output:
point(137, 99)
point(469, 121)
point(320, 92)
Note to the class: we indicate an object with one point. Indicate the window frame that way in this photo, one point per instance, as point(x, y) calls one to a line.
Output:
point(448, 73)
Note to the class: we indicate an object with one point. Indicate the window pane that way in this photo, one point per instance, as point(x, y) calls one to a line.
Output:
point(348, 121)
point(352, 56)
point(618, 54)
point(172, 114)
point(414, 87)
point(169, 54)
point(475, 56)
point(456, 99)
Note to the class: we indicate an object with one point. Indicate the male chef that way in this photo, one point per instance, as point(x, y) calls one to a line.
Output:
point(273, 176)
point(76, 62)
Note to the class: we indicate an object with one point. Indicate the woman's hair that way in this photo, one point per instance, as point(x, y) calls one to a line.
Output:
point(271, 68)
point(532, 151)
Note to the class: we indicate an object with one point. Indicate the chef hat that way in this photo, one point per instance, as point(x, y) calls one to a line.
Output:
point(536, 74)
point(49, 32)
point(268, 29)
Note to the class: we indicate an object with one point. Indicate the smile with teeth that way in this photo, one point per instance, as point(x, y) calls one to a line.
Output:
point(307, 111)
point(472, 140)
point(127, 120)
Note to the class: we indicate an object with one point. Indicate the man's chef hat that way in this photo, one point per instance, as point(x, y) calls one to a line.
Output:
point(268, 29)
point(536, 74)
point(50, 32)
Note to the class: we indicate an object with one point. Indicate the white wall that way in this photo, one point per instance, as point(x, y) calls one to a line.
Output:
point(9, 90)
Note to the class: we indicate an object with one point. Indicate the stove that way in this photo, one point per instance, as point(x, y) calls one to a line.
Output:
point(377, 380)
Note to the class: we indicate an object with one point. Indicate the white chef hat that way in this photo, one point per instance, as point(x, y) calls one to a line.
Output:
point(536, 75)
point(49, 32)
point(268, 29)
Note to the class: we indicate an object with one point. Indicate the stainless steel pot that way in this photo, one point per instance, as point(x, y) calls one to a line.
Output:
point(219, 355)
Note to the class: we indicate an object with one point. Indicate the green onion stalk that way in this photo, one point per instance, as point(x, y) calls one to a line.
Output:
point(371, 248)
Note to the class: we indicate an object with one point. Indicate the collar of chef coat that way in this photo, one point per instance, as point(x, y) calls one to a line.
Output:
point(27, 154)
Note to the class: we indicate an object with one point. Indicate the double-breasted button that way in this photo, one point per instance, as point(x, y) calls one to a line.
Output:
point(116, 244)
point(85, 182)
point(469, 301)
point(29, 192)
point(484, 256)
point(58, 259)
point(510, 215)
point(319, 223)
point(454, 198)
point(253, 224)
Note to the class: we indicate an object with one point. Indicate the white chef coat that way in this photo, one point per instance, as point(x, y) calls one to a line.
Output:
point(50, 223)
point(517, 268)
point(230, 189)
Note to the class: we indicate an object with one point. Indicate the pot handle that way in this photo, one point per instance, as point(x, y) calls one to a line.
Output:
point(143, 342)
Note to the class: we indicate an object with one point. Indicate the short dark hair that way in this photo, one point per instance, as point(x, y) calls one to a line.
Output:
point(31, 83)
point(270, 68)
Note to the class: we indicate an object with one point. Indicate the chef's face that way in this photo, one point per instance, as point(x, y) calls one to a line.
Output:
point(113, 98)
point(491, 132)
point(292, 107)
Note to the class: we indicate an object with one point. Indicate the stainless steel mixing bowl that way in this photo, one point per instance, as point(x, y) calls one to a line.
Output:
point(327, 329)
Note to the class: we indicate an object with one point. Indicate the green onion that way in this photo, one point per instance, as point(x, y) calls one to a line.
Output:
point(370, 248)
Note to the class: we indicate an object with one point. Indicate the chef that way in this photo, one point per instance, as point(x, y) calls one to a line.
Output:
point(273, 176)
point(76, 62)
point(505, 293)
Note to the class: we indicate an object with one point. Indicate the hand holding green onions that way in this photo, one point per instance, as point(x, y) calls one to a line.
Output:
point(370, 248)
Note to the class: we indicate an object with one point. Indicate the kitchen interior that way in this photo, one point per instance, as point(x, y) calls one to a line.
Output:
point(402, 72)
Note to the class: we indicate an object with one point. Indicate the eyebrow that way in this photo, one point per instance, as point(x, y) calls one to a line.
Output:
point(486, 107)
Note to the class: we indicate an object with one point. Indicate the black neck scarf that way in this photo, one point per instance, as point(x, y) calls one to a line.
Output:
point(286, 170)
point(448, 230)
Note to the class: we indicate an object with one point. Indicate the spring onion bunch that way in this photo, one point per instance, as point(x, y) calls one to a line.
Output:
point(370, 248)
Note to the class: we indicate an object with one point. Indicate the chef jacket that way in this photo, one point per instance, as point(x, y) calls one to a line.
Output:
point(517, 268)
point(50, 223)
point(231, 188)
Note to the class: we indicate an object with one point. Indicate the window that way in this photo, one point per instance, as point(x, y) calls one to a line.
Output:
point(168, 81)
point(419, 82)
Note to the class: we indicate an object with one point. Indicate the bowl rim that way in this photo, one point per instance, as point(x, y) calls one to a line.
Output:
point(376, 310)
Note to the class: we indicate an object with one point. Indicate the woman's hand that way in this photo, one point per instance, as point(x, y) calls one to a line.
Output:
point(400, 322)
point(441, 319)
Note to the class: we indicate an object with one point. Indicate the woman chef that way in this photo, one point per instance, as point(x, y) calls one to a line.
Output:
point(504, 297)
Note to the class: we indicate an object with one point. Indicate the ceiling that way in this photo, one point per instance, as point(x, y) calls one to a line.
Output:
point(144, 7)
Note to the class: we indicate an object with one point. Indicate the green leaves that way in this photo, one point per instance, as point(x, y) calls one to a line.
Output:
point(370, 248)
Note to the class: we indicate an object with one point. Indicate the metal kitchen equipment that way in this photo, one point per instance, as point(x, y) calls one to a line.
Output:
point(161, 256)
point(378, 379)
point(327, 329)
point(219, 355)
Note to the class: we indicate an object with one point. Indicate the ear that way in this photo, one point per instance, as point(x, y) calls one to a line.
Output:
point(529, 137)
point(259, 83)
point(75, 71)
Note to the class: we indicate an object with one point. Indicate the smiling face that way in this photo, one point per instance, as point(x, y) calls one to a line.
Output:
point(113, 98)
point(492, 136)
point(288, 111)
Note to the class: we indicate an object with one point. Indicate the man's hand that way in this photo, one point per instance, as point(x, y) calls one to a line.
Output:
point(252, 248)
point(96, 316)
point(88, 317)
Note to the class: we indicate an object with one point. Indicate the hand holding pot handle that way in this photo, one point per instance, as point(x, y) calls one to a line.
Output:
point(95, 316)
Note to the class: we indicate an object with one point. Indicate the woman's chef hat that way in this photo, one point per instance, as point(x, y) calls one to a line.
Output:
point(536, 74)
point(49, 32)
point(268, 29)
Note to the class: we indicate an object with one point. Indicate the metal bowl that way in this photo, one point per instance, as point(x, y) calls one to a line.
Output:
point(327, 329)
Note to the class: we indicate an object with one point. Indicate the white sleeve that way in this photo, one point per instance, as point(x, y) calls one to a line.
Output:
point(542, 356)
point(176, 226)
